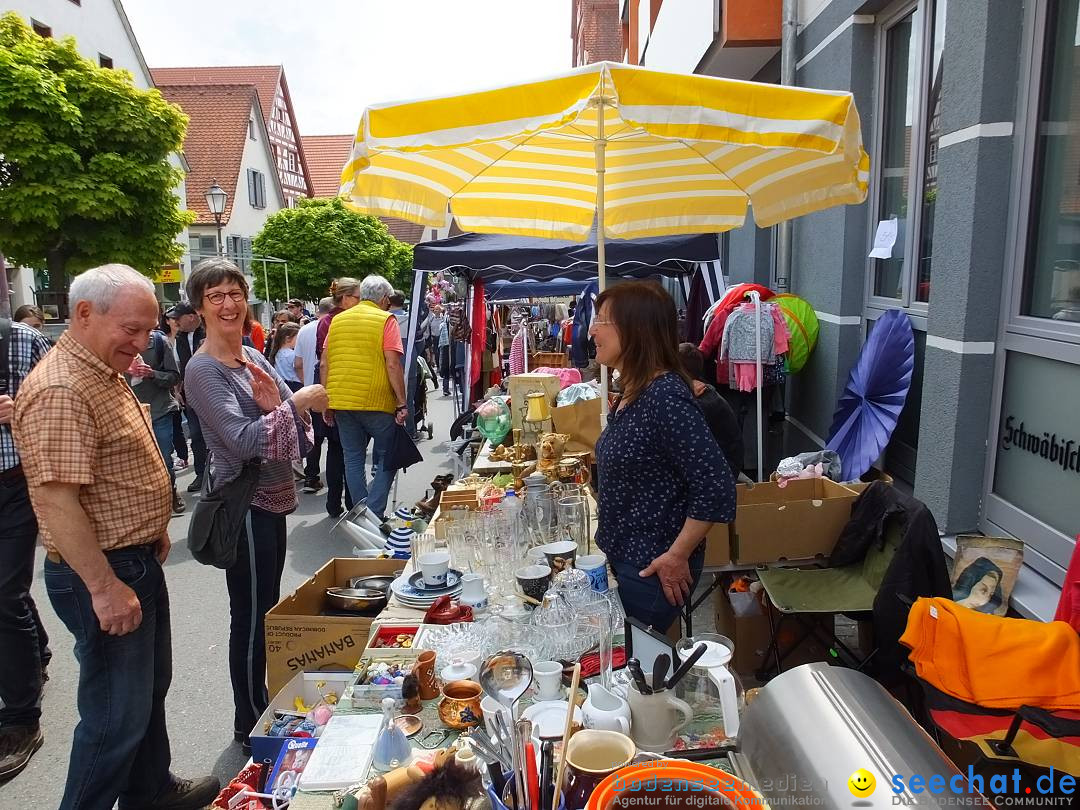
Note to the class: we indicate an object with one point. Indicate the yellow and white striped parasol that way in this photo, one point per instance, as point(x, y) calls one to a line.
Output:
point(645, 153)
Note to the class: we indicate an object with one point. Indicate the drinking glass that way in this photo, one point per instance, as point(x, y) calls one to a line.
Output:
point(574, 522)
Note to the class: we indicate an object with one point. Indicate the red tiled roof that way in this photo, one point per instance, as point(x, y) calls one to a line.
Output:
point(326, 157)
point(214, 144)
point(265, 78)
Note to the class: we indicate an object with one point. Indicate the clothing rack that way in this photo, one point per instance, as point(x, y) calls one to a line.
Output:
point(755, 298)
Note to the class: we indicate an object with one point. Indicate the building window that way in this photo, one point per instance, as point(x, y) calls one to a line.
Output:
point(256, 182)
point(1051, 287)
point(911, 128)
point(78, 3)
point(41, 29)
point(105, 61)
point(251, 128)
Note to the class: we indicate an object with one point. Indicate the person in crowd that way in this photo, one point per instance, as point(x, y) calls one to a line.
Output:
point(282, 316)
point(248, 413)
point(171, 328)
point(255, 335)
point(345, 294)
point(189, 338)
point(153, 375)
point(306, 362)
point(662, 479)
point(718, 413)
point(101, 495)
point(446, 361)
point(296, 310)
point(24, 644)
point(397, 309)
point(362, 368)
point(429, 330)
point(283, 354)
point(31, 316)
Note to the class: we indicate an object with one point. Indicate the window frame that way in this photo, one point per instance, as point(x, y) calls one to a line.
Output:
point(1024, 334)
point(41, 29)
point(102, 59)
point(874, 304)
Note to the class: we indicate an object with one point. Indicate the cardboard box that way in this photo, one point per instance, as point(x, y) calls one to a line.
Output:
point(873, 475)
point(299, 638)
point(303, 685)
point(718, 545)
point(752, 636)
point(799, 521)
point(521, 385)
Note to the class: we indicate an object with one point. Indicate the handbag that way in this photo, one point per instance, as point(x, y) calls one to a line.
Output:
point(218, 517)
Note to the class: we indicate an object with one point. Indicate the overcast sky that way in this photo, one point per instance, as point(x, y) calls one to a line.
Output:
point(341, 55)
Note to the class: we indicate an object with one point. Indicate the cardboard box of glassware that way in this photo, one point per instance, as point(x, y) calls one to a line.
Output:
point(299, 638)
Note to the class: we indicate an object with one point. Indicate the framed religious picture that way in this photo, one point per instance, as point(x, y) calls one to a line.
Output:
point(985, 571)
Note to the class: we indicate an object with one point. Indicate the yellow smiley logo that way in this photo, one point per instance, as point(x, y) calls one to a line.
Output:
point(861, 783)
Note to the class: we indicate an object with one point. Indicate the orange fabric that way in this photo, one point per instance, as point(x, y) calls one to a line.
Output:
point(258, 336)
point(993, 661)
point(391, 337)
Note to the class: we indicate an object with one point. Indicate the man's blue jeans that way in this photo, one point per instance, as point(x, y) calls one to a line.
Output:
point(356, 428)
point(121, 746)
point(163, 432)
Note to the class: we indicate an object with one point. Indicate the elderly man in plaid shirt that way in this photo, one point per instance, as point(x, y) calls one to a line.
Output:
point(24, 646)
point(102, 497)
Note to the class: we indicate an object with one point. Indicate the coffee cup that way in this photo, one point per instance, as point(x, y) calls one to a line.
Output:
point(592, 756)
point(435, 565)
point(595, 566)
point(548, 675)
point(657, 719)
point(560, 555)
point(534, 580)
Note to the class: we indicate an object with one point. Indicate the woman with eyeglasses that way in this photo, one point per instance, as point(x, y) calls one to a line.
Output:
point(247, 412)
point(662, 479)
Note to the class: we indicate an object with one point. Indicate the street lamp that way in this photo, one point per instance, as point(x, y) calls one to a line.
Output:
point(215, 201)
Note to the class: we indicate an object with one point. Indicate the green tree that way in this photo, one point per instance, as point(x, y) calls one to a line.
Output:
point(85, 176)
point(323, 240)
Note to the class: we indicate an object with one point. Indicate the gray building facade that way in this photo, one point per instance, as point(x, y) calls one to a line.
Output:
point(971, 116)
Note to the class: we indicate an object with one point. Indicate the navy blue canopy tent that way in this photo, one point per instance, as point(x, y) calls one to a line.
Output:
point(518, 290)
point(491, 257)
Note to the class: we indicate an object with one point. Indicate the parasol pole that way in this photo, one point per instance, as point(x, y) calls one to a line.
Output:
point(599, 150)
point(756, 298)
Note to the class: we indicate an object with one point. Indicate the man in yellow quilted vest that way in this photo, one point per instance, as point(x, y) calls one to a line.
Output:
point(364, 378)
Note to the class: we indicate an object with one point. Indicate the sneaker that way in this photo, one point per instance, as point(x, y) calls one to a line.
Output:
point(186, 794)
point(313, 485)
point(196, 485)
point(335, 513)
point(180, 464)
point(17, 746)
point(178, 505)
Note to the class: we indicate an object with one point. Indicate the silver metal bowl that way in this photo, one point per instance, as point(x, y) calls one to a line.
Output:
point(378, 582)
point(356, 599)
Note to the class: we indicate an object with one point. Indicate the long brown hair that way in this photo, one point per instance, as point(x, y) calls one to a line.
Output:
point(645, 316)
point(281, 334)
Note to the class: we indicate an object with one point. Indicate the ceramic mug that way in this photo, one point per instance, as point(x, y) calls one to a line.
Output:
point(460, 705)
point(595, 566)
point(657, 719)
point(548, 675)
point(560, 555)
point(592, 756)
point(534, 580)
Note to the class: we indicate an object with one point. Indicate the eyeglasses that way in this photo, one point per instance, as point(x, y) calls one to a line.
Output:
point(603, 323)
point(216, 298)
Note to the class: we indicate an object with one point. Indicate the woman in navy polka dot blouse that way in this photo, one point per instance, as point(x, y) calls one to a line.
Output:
point(662, 479)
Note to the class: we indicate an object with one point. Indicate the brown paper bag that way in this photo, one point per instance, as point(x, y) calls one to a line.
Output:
point(581, 421)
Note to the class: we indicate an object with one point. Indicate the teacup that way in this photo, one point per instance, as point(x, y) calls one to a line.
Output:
point(592, 756)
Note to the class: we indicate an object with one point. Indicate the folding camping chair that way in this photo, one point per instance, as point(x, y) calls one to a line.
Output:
point(996, 741)
point(802, 596)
